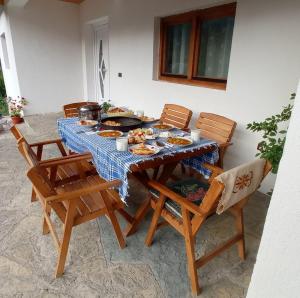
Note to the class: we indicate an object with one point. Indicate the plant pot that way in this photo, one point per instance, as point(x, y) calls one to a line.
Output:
point(16, 120)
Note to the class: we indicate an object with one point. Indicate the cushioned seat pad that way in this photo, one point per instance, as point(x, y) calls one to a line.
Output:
point(191, 189)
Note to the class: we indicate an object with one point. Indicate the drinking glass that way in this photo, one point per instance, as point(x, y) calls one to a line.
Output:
point(195, 135)
point(122, 144)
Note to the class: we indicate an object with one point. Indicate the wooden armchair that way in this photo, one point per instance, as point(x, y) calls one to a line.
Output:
point(176, 115)
point(63, 171)
point(217, 128)
point(74, 202)
point(39, 145)
point(72, 109)
point(187, 215)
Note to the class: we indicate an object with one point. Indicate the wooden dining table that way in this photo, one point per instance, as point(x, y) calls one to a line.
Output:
point(112, 164)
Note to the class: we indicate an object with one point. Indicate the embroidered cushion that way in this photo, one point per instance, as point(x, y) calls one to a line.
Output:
point(191, 189)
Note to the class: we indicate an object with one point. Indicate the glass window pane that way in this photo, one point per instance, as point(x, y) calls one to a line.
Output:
point(177, 49)
point(215, 46)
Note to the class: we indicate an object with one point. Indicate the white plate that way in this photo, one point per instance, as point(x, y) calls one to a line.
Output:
point(89, 123)
point(154, 148)
point(149, 120)
point(183, 138)
point(163, 129)
point(120, 134)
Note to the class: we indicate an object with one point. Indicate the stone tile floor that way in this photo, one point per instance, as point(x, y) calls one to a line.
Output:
point(96, 267)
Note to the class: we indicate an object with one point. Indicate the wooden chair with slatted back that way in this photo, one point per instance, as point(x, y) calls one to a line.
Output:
point(74, 203)
point(187, 215)
point(72, 109)
point(217, 128)
point(66, 172)
point(176, 115)
point(39, 145)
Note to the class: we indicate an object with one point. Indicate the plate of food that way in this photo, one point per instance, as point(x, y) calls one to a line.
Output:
point(144, 149)
point(140, 135)
point(117, 111)
point(110, 134)
point(162, 126)
point(87, 123)
point(111, 123)
point(147, 119)
point(179, 141)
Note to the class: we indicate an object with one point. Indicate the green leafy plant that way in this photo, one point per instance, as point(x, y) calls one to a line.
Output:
point(271, 147)
point(3, 106)
point(2, 85)
point(106, 105)
point(3, 103)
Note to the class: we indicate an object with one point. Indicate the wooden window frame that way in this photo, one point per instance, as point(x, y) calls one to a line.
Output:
point(195, 18)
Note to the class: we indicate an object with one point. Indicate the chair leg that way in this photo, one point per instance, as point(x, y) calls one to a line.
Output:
point(155, 219)
point(117, 228)
point(33, 196)
point(138, 218)
point(239, 219)
point(190, 252)
point(221, 157)
point(113, 220)
point(63, 250)
point(46, 229)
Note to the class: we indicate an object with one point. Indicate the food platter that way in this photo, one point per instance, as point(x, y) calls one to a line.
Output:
point(163, 127)
point(140, 135)
point(117, 111)
point(110, 134)
point(147, 119)
point(121, 123)
point(179, 141)
point(144, 150)
point(87, 123)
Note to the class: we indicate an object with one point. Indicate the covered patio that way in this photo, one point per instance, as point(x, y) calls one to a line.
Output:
point(96, 266)
point(171, 201)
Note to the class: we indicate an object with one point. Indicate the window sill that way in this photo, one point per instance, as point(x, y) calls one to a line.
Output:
point(184, 81)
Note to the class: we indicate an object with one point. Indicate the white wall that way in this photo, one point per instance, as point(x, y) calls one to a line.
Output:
point(277, 270)
point(47, 50)
point(264, 64)
point(10, 71)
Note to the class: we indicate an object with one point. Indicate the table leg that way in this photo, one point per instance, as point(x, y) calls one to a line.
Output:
point(167, 172)
point(142, 211)
point(138, 217)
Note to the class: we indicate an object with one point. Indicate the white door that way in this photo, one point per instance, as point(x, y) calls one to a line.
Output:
point(101, 62)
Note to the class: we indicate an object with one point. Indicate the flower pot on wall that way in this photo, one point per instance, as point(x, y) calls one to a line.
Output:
point(16, 120)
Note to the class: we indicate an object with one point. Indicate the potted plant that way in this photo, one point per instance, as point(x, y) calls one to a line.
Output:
point(15, 107)
point(271, 147)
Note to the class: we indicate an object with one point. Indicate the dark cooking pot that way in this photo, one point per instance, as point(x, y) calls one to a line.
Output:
point(90, 112)
point(126, 123)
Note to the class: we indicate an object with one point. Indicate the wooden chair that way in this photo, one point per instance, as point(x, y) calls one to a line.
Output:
point(74, 203)
point(217, 128)
point(72, 109)
point(187, 217)
point(176, 115)
point(66, 172)
point(39, 145)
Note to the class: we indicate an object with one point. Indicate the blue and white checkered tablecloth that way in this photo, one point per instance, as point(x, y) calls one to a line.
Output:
point(112, 164)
